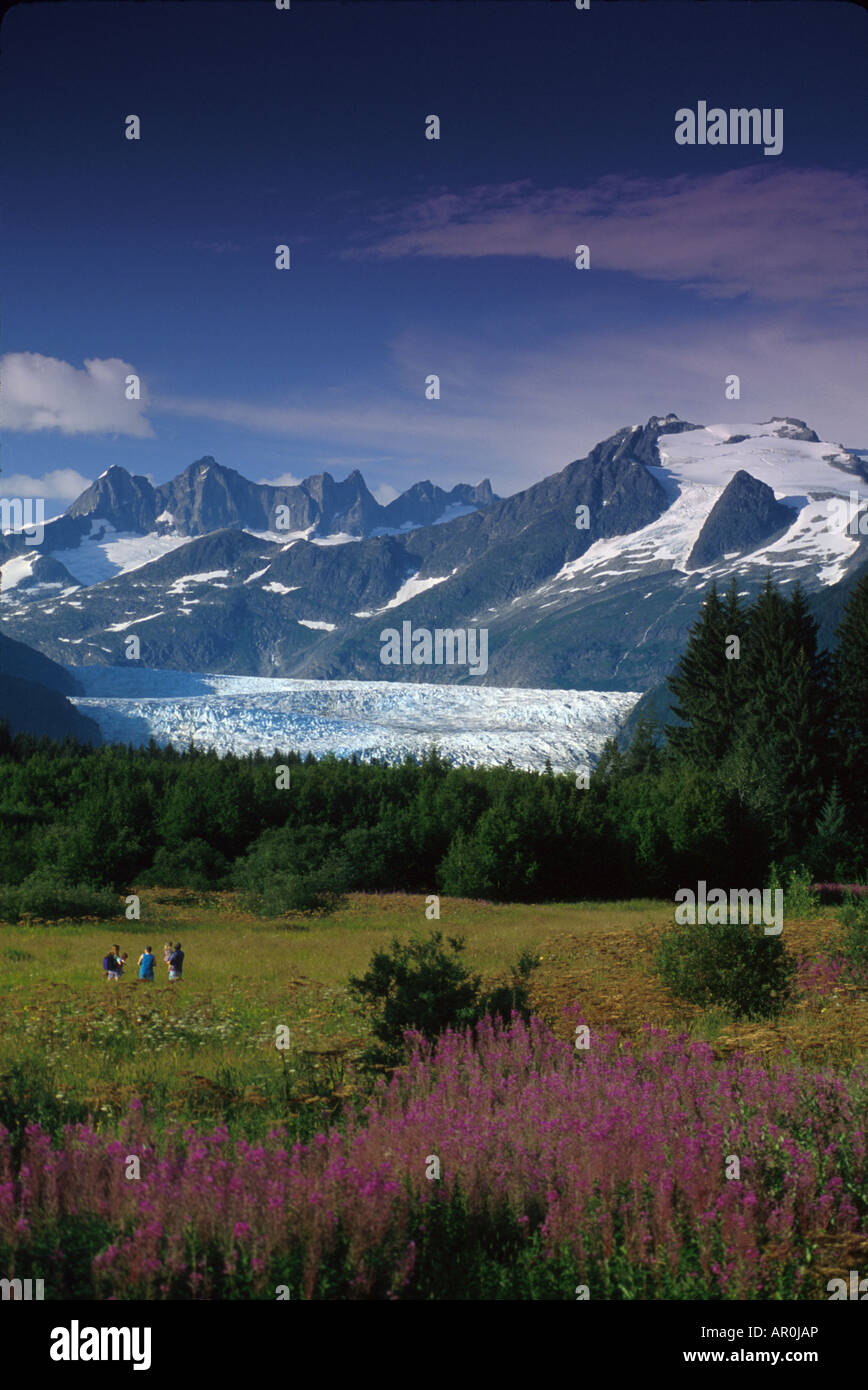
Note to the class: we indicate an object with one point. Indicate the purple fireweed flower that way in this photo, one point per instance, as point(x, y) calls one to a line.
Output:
point(614, 1144)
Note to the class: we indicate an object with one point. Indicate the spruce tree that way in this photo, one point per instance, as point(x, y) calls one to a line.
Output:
point(782, 761)
point(707, 683)
point(851, 733)
point(643, 756)
point(833, 852)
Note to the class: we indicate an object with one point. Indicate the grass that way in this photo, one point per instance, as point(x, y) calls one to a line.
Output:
point(205, 1048)
point(203, 1051)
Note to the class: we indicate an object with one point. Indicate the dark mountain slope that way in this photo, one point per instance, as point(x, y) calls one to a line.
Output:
point(33, 693)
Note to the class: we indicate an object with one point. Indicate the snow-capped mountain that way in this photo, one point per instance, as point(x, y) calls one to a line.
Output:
point(588, 579)
point(122, 521)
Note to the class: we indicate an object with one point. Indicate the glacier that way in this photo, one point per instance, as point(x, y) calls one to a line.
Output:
point(478, 726)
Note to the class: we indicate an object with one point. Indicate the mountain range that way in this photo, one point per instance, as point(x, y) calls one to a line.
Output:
point(588, 579)
point(208, 497)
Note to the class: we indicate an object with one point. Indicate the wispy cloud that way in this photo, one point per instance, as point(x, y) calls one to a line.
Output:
point(518, 414)
point(393, 419)
point(65, 484)
point(45, 393)
point(777, 235)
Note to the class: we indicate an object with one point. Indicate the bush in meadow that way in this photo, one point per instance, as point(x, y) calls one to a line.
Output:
point(287, 873)
point(423, 986)
point(801, 897)
point(854, 945)
point(732, 965)
point(419, 984)
point(27, 1097)
point(288, 894)
point(46, 896)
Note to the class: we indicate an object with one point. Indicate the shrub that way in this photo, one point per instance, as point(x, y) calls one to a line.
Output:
point(733, 965)
point(316, 894)
point(854, 945)
point(422, 986)
point(801, 898)
point(47, 897)
point(195, 865)
point(293, 871)
point(497, 860)
point(27, 1097)
point(416, 985)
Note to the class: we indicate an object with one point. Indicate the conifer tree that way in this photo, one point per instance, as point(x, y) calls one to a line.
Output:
point(707, 683)
point(783, 756)
point(851, 733)
point(643, 757)
point(833, 851)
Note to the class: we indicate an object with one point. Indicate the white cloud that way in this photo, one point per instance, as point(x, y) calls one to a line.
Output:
point(45, 393)
point(282, 480)
point(385, 494)
point(63, 483)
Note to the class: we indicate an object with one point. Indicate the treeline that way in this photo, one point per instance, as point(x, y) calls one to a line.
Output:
point(767, 765)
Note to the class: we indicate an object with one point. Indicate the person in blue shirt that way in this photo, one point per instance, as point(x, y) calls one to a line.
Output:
point(146, 965)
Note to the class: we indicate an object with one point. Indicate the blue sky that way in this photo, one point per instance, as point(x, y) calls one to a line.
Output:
point(413, 256)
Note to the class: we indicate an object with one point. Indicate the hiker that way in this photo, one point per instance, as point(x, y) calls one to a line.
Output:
point(146, 963)
point(176, 962)
point(111, 964)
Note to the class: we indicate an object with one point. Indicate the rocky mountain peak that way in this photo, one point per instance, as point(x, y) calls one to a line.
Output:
point(745, 514)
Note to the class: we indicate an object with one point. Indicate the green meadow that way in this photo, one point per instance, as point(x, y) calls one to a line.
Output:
point(204, 1049)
